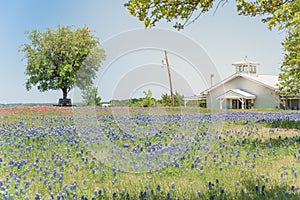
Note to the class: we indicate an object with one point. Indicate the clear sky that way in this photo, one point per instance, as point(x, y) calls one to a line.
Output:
point(224, 36)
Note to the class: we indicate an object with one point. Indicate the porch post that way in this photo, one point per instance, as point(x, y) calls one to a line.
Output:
point(221, 101)
point(242, 101)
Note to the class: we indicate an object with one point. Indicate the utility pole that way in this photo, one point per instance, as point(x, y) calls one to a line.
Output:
point(170, 79)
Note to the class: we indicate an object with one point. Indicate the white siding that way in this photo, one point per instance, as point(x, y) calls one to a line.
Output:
point(265, 97)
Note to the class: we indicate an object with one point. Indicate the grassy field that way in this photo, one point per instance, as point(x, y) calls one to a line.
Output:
point(154, 153)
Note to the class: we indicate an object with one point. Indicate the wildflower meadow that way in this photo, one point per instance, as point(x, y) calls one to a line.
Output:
point(148, 153)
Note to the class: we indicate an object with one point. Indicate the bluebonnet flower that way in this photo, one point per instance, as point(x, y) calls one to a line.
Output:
point(158, 187)
point(210, 185)
point(267, 179)
point(293, 188)
point(123, 192)
point(281, 175)
point(199, 194)
point(286, 194)
point(173, 185)
point(74, 196)
point(169, 196)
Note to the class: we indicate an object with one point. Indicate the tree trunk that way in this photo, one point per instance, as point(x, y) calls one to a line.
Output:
point(64, 101)
point(65, 93)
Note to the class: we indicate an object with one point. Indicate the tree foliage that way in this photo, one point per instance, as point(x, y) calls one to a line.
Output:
point(167, 101)
point(290, 70)
point(183, 13)
point(152, 11)
point(90, 96)
point(62, 59)
point(147, 101)
point(280, 13)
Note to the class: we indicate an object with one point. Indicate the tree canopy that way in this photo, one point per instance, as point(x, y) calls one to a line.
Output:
point(90, 96)
point(290, 70)
point(182, 13)
point(167, 101)
point(61, 59)
point(147, 101)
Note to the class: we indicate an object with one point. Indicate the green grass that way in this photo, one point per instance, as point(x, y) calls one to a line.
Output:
point(289, 124)
point(230, 166)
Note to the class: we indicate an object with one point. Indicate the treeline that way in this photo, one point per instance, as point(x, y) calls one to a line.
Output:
point(149, 101)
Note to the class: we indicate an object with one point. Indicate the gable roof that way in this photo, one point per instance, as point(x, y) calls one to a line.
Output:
point(236, 94)
point(269, 81)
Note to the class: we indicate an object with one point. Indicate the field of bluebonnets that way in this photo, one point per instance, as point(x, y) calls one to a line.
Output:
point(84, 153)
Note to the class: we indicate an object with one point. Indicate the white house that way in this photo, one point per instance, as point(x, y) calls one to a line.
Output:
point(246, 89)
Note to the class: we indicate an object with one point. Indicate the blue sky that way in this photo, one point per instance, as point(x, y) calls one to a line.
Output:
point(224, 36)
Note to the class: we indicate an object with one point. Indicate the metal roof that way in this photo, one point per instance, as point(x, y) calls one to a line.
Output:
point(236, 94)
point(269, 81)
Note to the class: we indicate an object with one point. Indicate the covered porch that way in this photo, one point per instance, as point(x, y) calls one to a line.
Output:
point(292, 103)
point(236, 99)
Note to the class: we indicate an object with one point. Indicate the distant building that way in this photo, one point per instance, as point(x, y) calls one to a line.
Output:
point(245, 90)
point(105, 105)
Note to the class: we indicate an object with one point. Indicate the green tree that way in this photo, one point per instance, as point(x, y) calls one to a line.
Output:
point(62, 59)
point(178, 99)
point(280, 13)
point(90, 96)
point(148, 101)
point(183, 13)
point(289, 77)
point(166, 100)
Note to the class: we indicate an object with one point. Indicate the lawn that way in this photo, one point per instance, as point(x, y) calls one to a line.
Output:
point(148, 153)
